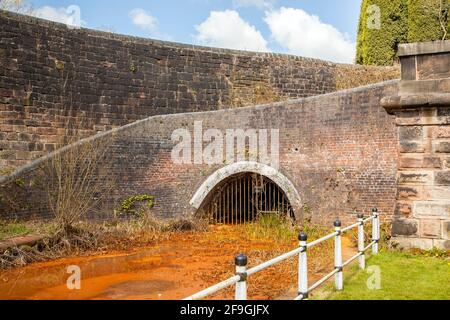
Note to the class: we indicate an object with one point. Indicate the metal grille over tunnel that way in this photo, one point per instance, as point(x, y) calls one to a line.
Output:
point(243, 198)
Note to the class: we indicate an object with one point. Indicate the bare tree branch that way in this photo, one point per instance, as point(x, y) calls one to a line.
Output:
point(18, 6)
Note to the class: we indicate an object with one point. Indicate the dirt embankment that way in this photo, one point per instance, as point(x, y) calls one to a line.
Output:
point(170, 269)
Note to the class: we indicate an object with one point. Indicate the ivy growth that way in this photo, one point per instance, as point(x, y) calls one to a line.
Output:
point(20, 182)
point(136, 205)
point(60, 65)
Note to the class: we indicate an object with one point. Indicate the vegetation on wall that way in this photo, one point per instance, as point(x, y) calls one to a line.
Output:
point(401, 21)
point(427, 20)
point(19, 6)
point(137, 205)
point(378, 46)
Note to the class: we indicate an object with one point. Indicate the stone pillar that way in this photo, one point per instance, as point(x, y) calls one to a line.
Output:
point(422, 111)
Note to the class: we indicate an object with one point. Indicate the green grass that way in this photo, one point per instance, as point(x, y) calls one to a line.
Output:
point(12, 229)
point(277, 227)
point(271, 226)
point(403, 277)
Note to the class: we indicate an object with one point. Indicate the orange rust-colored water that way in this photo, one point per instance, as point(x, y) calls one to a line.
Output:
point(168, 270)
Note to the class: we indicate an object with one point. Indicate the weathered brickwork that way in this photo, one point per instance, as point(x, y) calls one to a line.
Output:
point(57, 84)
point(422, 111)
point(339, 151)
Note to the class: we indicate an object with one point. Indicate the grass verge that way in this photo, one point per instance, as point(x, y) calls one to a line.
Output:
point(404, 276)
point(12, 229)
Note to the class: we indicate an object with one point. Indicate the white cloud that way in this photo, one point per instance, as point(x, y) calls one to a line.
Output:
point(70, 15)
point(305, 35)
point(260, 4)
point(226, 29)
point(143, 19)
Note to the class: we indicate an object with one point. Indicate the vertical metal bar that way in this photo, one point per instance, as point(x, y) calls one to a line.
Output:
point(211, 211)
point(253, 199)
point(375, 232)
point(256, 192)
point(244, 195)
point(241, 189)
point(214, 213)
point(216, 208)
point(258, 207)
point(241, 270)
point(269, 192)
point(278, 201)
point(245, 199)
point(378, 229)
point(303, 267)
point(273, 198)
point(232, 202)
point(362, 257)
point(237, 202)
point(227, 216)
point(249, 193)
point(261, 194)
point(230, 206)
point(224, 208)
point(219, 207)
point(265, 195)
point(338, 256)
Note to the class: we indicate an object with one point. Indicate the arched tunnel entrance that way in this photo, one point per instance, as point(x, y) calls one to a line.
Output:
point(244, 197)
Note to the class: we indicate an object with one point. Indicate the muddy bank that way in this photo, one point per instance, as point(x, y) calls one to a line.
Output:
point(170, 269)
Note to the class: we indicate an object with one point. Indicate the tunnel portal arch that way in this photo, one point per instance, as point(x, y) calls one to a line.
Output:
point(244, 190)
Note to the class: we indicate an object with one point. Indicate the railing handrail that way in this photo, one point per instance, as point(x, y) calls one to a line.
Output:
point(242, 273)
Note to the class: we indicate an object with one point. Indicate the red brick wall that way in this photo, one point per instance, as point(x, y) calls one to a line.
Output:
point(339, 150)
point(57, 85)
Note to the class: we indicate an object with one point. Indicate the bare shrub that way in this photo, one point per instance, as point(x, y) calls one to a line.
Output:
point(75, 182)
point(19, 6)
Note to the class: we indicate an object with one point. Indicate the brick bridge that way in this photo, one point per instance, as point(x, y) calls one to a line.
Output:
point(384, 145)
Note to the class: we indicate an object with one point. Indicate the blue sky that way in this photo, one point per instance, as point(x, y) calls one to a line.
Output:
point(316, 28)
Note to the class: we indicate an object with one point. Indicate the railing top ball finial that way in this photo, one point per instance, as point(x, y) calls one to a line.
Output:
point(302, 236)
point(241, 260)
point(337, 223)
point(360, 215)
point(375, 210)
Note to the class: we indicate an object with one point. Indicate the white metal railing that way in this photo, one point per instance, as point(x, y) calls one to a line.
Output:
point(242, 273)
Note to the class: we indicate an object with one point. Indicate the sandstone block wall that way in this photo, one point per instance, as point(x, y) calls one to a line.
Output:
point(422, 111)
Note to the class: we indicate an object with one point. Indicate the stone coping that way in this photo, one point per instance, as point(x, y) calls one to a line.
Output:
point(408, 101)
point(420, 48)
